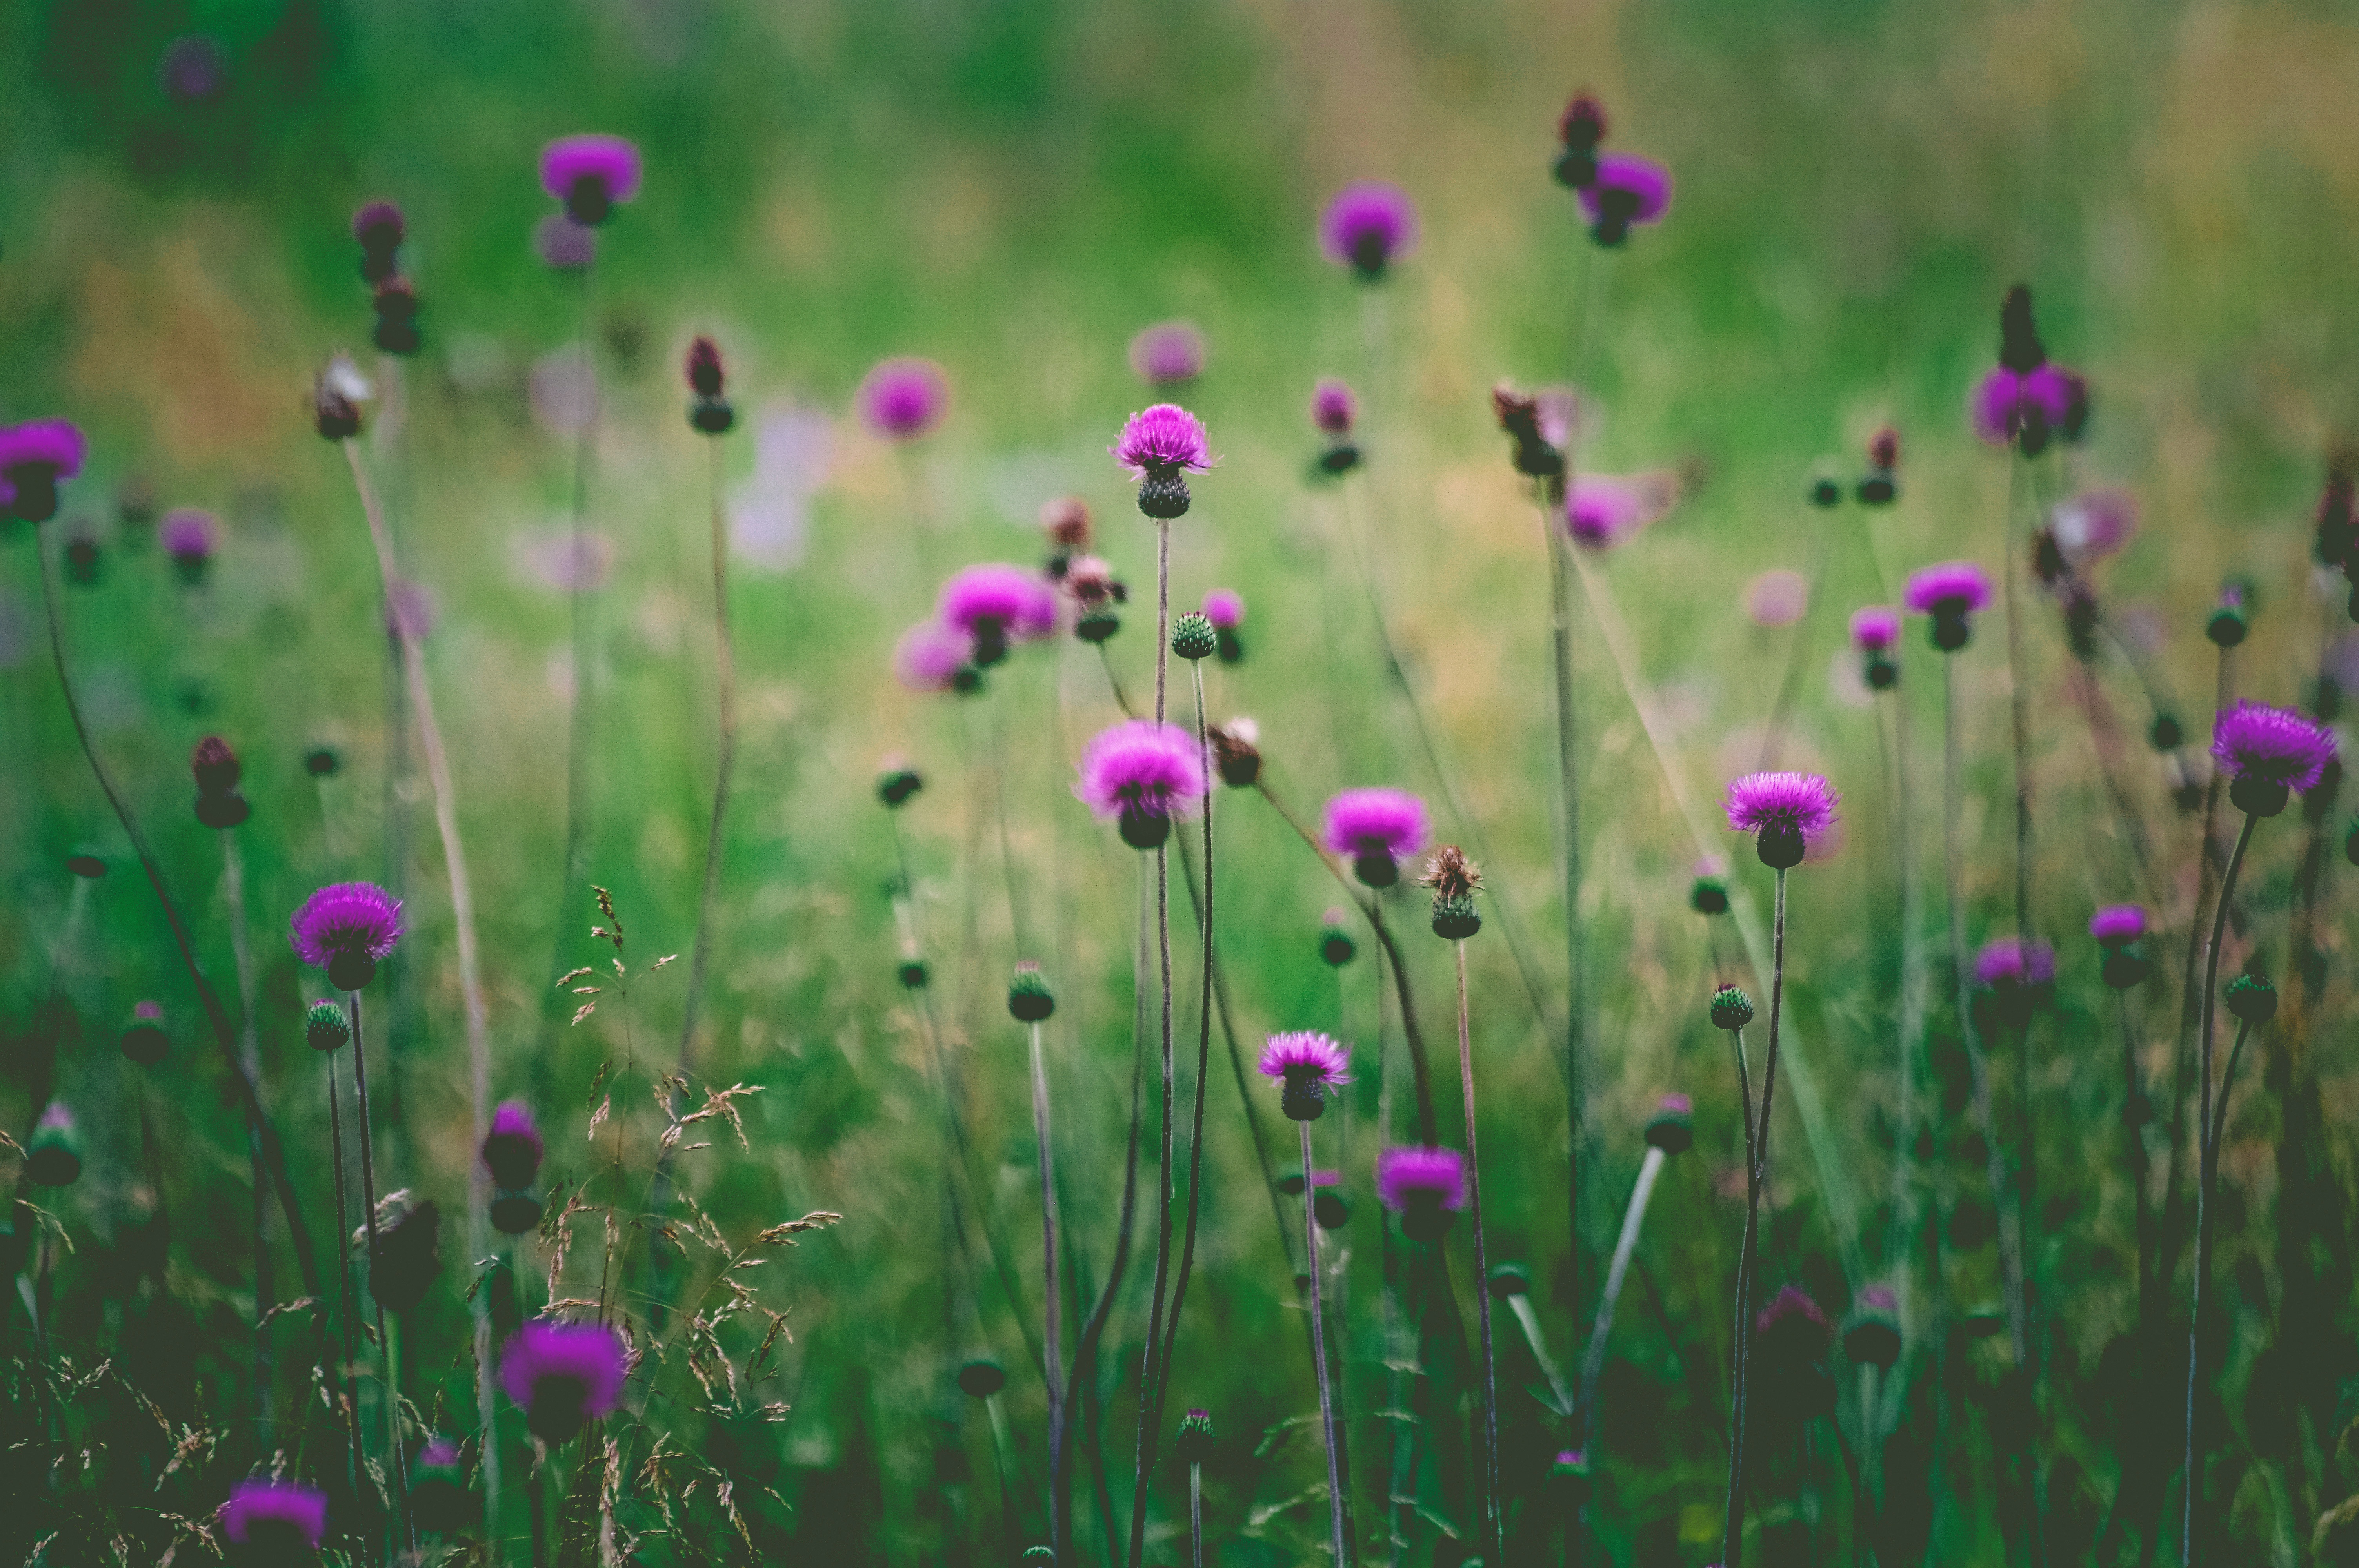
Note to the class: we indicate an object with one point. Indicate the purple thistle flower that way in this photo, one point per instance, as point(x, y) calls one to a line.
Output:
point(590, 174)
point(2095, 524)
point(378, 227)
point(1379, 827)
point(1785, 812)
point(1602, 511)
point(994, 604)
point(1162, 439)
point(34, 456)
point(1874, 628)
point(1950, 588)
point(1628, 189)
point(2268, 753)
point(280, 1514)
point(1225, 608)
point(189, 536)
point(1423, 1185)
point(1367, 227)
point(346, 928)
point(1168, 353)
point(931, 656)
point(1332, 406)
point(1141, 775)
point(1776, 598)
point(2023, 405)
point(562, 1374)
point(1307, 1065)
point(512, 1149)
point(2117, 925)
point(902, 399)
point(2010, 961)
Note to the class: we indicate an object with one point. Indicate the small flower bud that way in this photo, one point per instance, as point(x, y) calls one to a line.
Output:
point(703, 368)
point(1731, 1008)
point(2252, 998)
point(1509, 1280)
point(144, 1040)
point(1872, 1338)
point(321, 761)
point(325, 1027)
point(896, 786)
point(2168, 734)
point(53, 1154)
point(1337, 948)
point(1194, 1444)
point(1028, 997)
point(1233, 753)
point(214, 765)
point(1672, 1126)
point(86, 863)
point(2126, 969)
point(982, 1379)
point(1163, 496)
point(1098, 626)
point(1709, 895)
point(912, 974)
point(1192, 637)
point(1825, 493)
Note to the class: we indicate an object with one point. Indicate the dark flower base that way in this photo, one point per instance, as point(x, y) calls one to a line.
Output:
point(2258, 797)
point(1780, 848)
point(1377, 870)
point(1426, 1220)
point(1163, 496)
point(145, 1044)
point(351, 971)
point(1143, 830)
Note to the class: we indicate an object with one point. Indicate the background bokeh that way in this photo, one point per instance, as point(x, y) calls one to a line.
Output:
point(1013, 190)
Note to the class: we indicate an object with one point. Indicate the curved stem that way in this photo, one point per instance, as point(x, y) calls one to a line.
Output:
point(2207, 1176)
point(725, 675)
point(1196, 1515)
point(1624, 1247)
point(1318, 1360)
point(1492, 1533)
point(249, 1057)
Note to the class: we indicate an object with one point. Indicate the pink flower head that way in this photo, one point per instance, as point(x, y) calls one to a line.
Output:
point(1776, 598)
point(591, 174)
point(1162, 441)
point(2010, 406)
point(34, 456)
point(562, 1374)
point(1628, 189)
point(1307, 1057)
point(378, 227)
point(1225, 608)
point(1951, 588)
point(1797, 806)
point(189, 535)
point(2117, 925)
point(2010, 961)
point(1332, 406)
point(512, 1149)
point(1602, 511)
point(1792, 1311)
point(283, 1515)
point(904, 398)
point(1409, 1174)
point(1377, 821)
point(1139, 772)
point(1874, 628)
point(1367, 227)
point(996, 604)
point(2271, 746)
point(148, 1012)
point(347, 928)
point(931, 656)
point(1168, 353)
point(2094, 523)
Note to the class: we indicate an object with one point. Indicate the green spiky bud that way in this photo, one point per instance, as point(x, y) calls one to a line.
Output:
point(1731, 1008)
point(325, 1027)
point(1029, 996)
point(1192, 637)
point(2252, 998)
point(1672, 1126)
point(1456, 919)
point(1194, 1444)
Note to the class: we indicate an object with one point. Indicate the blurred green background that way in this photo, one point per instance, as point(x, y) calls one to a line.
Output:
point(1013, 188)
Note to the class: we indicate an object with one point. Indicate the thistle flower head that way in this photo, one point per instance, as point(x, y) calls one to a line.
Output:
point(2023, 407)
point(1029, 1000)
point(2276, 746)
point(1236, 752)
point(1731, 1008)
point(1162, 441)
point(2014, 963)
point(1194, 1442)
point(1411, 1177)
point(189, 536)
point(562, 1374)
point(702, 368)
point(1367, 227)
point(1225, 608)
point(1379, 827)
point(1333, 408)
point(1785, 812)
point(591, 174)
point(994, 604)
point(931, 656)
point(378, 228)
point(1874, 628)
point(1627, 191)
point(213, 766)
point(2093, 524)
point(325, 1027)
point(1603, 510)
point(34, 456)
point(1170, 353)
point(1451, 874)
point(1307, 1065)
point(277, 1518)
point(346, 928)
point(1066, 522)
point(1950, 588)
point(1090, 581)
point(512, 1149)
point(1141, 775)
point(1582, 124)
point(904, 398)
point(1884, 449)
point(1792, 1312)
point(1193, 637)
point(2117, 925)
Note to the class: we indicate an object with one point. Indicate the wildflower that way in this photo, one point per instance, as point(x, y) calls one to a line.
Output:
point(710, 413)
point(1192, 636)
point(337, 393)
point(1225, 607)
point(144, 1040)
point(1162, 444)
point(1708, 895)
point(1030, 1000)
point(190, 537)
point(1603, 510)
point(1306, 1065)
point(1333, 408)
point(1875, 630)
point(902, 399)
point(932, 658)
point(54, 1153)
point(325, 1027)
point(378, 228)
point(1777, 598)
point(1872, 1336)
point(1672, 1126)
point(1792, 1313)
point(2093, 524)
point(437, 1487)
point(395, 303)
point(2227, 625)
point(993, 605)
point(1880, 486)
point(1141, 775)
point(1785, 812)
point(1455, 880)
point(2117, 925)
point(1948, 593)
point(1170, 353)
point(1066, 522)
point(1824, 492)
point(1367, 227)
point(1628, 189)
point(1425, 1185)
point(1194, 1444)
point(512, 1149)
point(346, 928)
point(1520, 416)
point(562, 1374)
point(897, 784)
point(2270, 751)
point(2018, 974)
point(215, 768)
point(34, 456)
point(275, 1520)
point(1378, 828)
point(1731, 1008)
point(1336, 947)
point(407, 1255)
point(2251, 998)
point(1581, 129)
point(591, 174)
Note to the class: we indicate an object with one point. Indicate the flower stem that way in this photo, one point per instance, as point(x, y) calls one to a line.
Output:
point(1052, 1356)
point(1318, 1360)
point(2207, 1177)
point(1492, 1532)
point(1569, 848)
point(724, 665)
point(1149, 1397)
point(347, 1381)
point(1594, 1361)
point(1756, 1177)
point(249, 1057)
point(368, 1223)
point(1203, 1061)
point(1196, 1514)
point(2132, 1092)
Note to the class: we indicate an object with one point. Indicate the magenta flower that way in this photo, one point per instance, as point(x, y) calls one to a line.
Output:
point(1628, 189)
point(1168, 353)
point(1379, 827)
point(1225, 608)
point(189, 536)
point(2268, 753)
point(931, 656)
point(1785, 812)
point(1602, 511)
point(276, 1516)
point(1308, 1064)
point(1948, 592)
point(1333, 408)
point(1874, 628)
point(1160, 445)
point(590, 174)
point(1367, 227)
point(2117, 925)
point(564, 1374)
point(34, 456)
point(512, 1149)
point(994, 604)
point(346, 928)
point(1776, 598)
point(904, 398)
point(1424, 1184)
point(1792, 1312)
point(1141, 775)
point(2022, 406)
point(2012, 962)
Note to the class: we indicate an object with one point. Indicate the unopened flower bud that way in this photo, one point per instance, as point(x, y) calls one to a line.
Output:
point(1731, 1008)
point(1028, 997)
point(2252, 998)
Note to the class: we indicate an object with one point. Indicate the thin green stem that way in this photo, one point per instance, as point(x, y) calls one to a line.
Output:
point(1318, 1360)
point(1051, 1298)
point(724, 664)
point(1494, 1533)
point(368, 1224)
point(1732, 1539)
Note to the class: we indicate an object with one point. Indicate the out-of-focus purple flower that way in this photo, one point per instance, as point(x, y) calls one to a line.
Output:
point(378, 227)
point(1874, 628)
point(1776, 598)
point(1379, 827)
point(34, 456)
point(2268, 751)
point(931, 657)
point(564, 245)
point(346, 928)
point(1140, 774)
point(1628, 189)
point(1170, 353)
point(1164, 439)
point(1603, 510)
point(1332, 406)
point(590, 174)
point(565, 561)
point(994, 604)
point(564, 1374)
point(2117, 925)
point(2095, 524)
point(2022, 406)
point(2011, 961)
point(1409, 1176)
point(1225, 608)
point(904, 398)
point(280, 1516)
point(1367, 227)
point(1951, 588)
point(512, 1149)
point(1791, 1310)
point(189, 536)
point(1789, 814)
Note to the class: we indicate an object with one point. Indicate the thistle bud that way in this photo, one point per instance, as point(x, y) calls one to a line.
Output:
point(896, 786)
point(53, 1154)
point(1709, 895)
point(1454, 880)
point(1509, 1280)
point(1731, 1008)
point(1192, 637)
point(1233, 752)
point(1337, 948)
point(982, 1379)
point(1028, 997)
point(325, 1027)
point(144, 1040)
point(1194, 1444)
point(2252, 998)
point(1672, 1126)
